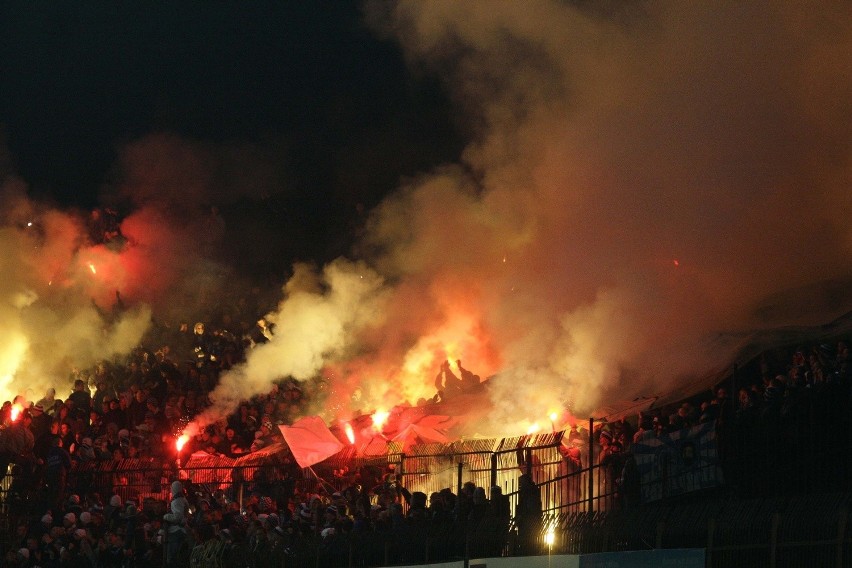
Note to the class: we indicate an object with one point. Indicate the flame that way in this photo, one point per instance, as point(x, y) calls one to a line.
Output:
point(451, 352)
point(549, 537)
point(92, 268)
point(181, 441)
point(553, 416)
point(350, 434)
point(16, 412)
point(380, 418)
point(534, 427)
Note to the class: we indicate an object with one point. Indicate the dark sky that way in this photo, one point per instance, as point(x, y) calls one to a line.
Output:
point(329, 107)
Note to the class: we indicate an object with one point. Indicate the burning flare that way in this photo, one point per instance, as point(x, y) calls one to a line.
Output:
point(181, 442)
point(380, 418)
point(16, 412)
point(350, 434)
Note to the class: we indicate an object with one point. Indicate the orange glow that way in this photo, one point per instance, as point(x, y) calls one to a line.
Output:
point(380, 418)
point(181, 441)
point(452, 355)
point(676, 262)
point(16, 412)
point(350, 434)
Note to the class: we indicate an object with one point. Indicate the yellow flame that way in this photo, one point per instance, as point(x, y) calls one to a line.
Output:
point(380, 417)
point(92, 268)
point(553, 416)
point(16, 412)
point(549, 537)
point(350, 434)
point(181, 441)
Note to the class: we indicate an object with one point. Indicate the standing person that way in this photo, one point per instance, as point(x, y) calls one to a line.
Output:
point(82, 402)
point(176, 520)
point(446, 382)
point(528, 515)
point(57, 466)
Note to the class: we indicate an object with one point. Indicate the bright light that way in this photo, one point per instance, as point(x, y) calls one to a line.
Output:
point(549, 537)
point(92, 268)
point(553, 416)
point(534, 427)
point(181, 441)
point(16, 412)
point(350, 434)
point(380, 417)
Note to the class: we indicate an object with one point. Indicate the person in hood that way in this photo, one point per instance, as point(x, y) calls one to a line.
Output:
point(176, 520)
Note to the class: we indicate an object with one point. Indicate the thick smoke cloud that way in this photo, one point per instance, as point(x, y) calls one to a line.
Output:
point(657, 176)
point(72, 296)
point(56, 312)
point(646, 186)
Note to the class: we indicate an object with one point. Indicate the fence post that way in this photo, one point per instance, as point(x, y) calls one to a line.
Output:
point(591, 506)
point(459, 479)
point(493, 469)
point(841, 534)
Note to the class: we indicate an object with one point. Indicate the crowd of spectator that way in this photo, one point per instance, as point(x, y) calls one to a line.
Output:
point(374, 520)
point(134, 407)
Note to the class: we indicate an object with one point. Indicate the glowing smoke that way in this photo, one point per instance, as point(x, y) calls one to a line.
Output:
point(644, 183)
point(643, 187)
point(55, 312)
point(608, 140)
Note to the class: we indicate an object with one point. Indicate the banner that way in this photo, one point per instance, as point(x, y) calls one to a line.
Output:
point(310, 440)
point(678, 462)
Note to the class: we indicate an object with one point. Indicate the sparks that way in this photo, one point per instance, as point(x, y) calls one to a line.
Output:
point(350, 434)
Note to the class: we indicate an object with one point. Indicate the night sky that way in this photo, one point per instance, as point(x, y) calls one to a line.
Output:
point(304, 87)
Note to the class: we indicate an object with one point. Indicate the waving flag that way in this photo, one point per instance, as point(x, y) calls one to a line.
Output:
point(310, 440)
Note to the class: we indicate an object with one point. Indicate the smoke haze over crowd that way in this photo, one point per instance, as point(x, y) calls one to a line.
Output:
point(642, 186)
